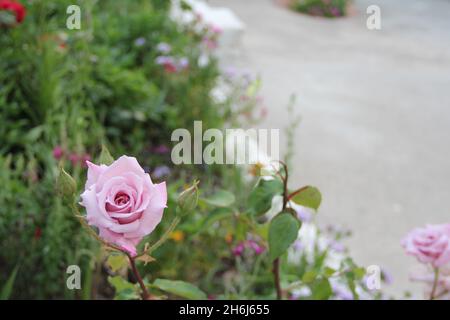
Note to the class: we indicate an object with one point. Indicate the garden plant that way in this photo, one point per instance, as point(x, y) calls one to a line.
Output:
point(87, 178)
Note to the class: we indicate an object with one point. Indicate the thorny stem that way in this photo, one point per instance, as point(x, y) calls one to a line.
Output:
point(145, 293)
point(435, 283)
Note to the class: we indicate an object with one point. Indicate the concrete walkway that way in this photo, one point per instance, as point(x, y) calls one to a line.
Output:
point(375, 107)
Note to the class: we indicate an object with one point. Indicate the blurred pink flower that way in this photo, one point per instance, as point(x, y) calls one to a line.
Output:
point(161, 149)
point(58, 152)
point(239, 249)
point(216, 29)
point(430, 244)
point(73, 157)
point(84, 158)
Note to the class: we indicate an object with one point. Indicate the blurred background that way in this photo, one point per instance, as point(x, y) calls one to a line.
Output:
point(375, 113)
point(364, 116)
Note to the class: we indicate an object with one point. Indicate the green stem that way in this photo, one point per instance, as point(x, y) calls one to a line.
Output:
point(435, 283)
point(276, 262)
point(276, 276)
point(163, 239)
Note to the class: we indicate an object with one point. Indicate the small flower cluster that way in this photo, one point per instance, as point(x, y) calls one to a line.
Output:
point(170, 63)
point(74, 158)
point(251, 245)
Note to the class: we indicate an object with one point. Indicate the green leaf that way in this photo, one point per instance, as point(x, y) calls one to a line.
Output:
point(359, 273)
point(120, 283)
point(328, 272)
point(283, 232)
point(221, 198)
point(124, 289)
point(350, 277)
point(321, 289)
point(260, 199)
point(180, 288)
point(309, 276)
point(308, 197)
point(105, 156)
point(7, 288)
point(126, 294)
point(117, 262)
point(216, 215)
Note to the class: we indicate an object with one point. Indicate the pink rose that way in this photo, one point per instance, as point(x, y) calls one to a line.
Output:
point(122, 202)
point(429, 245)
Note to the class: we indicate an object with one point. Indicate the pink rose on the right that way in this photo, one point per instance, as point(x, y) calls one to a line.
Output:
point(430, 244)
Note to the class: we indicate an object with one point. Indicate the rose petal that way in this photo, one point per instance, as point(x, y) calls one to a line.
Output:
point(153, 213)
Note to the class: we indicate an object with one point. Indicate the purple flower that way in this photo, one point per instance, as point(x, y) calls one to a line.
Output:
point(335, 11)
point(161, 171)
point(164, 47)
point(183, 63)
point(238, 250)
point(341, 291)
point(387, 276)
point(161, 149)
point(303, 214)
point(255, 246)
point(58, 152)
point(230, 72)
point(336, 246)
point(298, 245)
point(167, 62)
point(162, 60)
point(139, 42)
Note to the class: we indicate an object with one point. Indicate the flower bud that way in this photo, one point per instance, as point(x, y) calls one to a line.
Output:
point(65, 185)
point(187, 200)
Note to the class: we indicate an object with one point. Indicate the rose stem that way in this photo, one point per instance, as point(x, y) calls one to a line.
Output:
point(435, 282)
point(276, 262)
point(145, 293)
point(276, 275)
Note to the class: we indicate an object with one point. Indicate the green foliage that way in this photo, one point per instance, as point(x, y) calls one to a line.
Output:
point(180, 288)
point(260, 199)
point(82, 90)
point(308, 197)
point(117, 262)
point(105, 156)
point(221, 198)
point(7, 288)
point(79, 90)
point(325, 8)
point(124, 290)
point(283, 231)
